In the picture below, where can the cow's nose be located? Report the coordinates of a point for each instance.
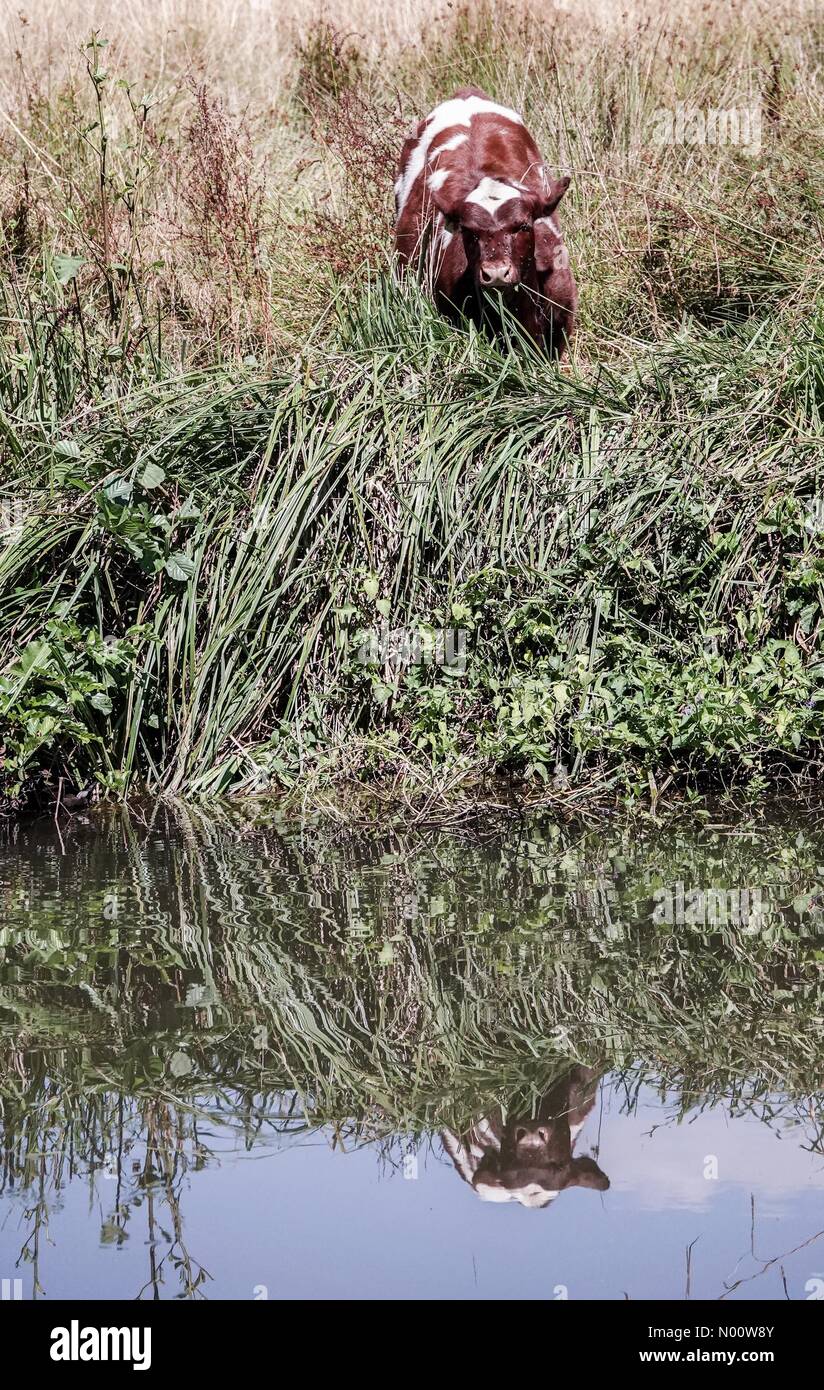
(531, 1136)
(501, 274)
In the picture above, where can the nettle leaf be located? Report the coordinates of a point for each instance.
(118, 490)
(66, 268)
(152, 476)
(67, 449)
(180, 567)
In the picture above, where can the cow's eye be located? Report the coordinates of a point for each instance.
(524, 227)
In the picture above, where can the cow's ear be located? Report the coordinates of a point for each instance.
(586, 1173)
(550, 251)
(550, 201)
(449, 201)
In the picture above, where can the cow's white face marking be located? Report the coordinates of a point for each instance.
(457, 112)
(530, 1196)
(534, 1196)
(490, 1193)
(491, 194)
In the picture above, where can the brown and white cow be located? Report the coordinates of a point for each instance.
(530, 1160)
(476, 205)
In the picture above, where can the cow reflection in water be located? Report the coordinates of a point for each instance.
(530, 1160)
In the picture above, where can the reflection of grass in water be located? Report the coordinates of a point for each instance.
(405, 982)
(269, 983)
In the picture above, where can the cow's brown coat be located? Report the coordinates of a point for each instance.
(477, 207)
(531, 1160)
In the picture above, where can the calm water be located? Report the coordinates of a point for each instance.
(239, 1060)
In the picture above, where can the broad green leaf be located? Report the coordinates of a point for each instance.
(152, 476)
(67, 267)
(180, 567)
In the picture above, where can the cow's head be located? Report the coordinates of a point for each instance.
(497, 222)
(530, 1160)
(534, 1164)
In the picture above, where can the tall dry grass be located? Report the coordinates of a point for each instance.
(249, 150)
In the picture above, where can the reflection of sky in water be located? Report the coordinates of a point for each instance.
(665, 1169)
(305, 1220)
(435, 973)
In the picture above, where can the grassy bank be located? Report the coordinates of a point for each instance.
(255, 492)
